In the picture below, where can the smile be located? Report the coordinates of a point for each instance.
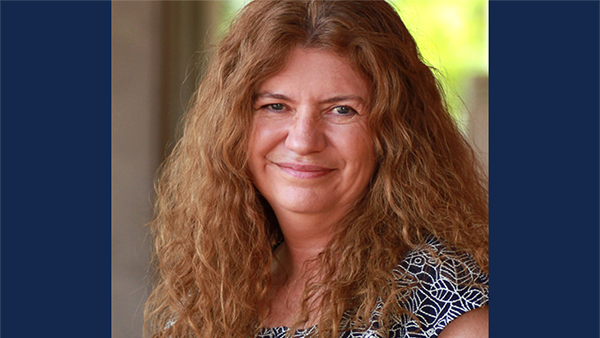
(303, 171)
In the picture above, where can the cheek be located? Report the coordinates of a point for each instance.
(263, 140)
(253, 150)
(265, 136)
(357, 146)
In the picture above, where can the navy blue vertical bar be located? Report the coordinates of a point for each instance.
(55, 176)
(544, 155)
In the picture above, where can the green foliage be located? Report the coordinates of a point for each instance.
(231, 7)
(452, 37)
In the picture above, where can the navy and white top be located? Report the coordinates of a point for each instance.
(449, 284)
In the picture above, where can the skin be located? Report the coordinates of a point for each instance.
(312, 157)
(473, 324)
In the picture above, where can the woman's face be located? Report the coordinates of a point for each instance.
(310, 150)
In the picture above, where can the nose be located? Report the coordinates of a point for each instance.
(305, 135)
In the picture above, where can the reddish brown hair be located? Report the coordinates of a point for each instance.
(213, 237)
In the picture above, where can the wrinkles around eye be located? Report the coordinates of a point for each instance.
(344, 110)
(341, 112)
(274, 107)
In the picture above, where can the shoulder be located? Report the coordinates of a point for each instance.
(473, 324)
(444, 283)
(433, 261)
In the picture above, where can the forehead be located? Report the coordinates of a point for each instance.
(316, 73)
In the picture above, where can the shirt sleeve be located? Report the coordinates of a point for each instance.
(446, 283)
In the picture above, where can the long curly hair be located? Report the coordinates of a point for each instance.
(214, 233)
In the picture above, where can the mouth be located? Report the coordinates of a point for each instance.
(304, 171)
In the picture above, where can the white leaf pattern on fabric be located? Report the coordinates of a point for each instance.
(449, 284)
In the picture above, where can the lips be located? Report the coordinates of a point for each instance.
(304, 171)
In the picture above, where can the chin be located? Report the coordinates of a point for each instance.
(312, 203)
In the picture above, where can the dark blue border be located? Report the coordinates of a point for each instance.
(544, 159)
(55, 176)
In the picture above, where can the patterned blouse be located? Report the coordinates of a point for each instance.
(446, 288)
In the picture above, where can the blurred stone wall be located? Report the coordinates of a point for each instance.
(156, 47)
(136, 100)
(478, 118)
(154, 56)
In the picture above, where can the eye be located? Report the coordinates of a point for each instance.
(344, 110)
(275, 107)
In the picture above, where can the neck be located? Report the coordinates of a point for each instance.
(305, 237)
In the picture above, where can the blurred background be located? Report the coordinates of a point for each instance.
(159, 50)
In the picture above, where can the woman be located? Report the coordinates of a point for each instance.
(320, 188)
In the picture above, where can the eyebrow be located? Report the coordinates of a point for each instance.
(344, 98)
(329, 100)
(272, 96)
